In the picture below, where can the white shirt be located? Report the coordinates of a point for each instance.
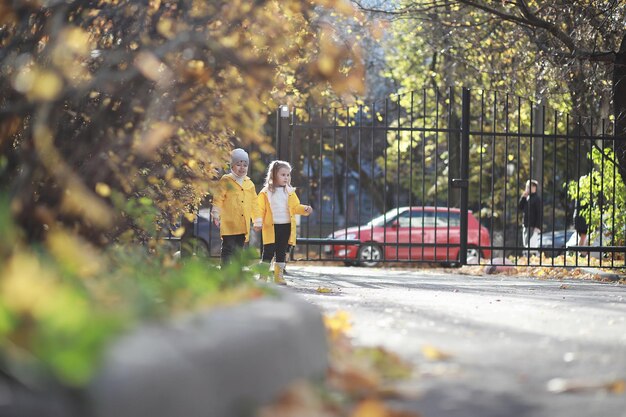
(238, 178)
(279, 203)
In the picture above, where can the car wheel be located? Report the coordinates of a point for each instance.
(194, 247)
(473, 252)
(370, 254)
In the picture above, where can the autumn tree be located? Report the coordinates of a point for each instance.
(112, 112)
(569, 54)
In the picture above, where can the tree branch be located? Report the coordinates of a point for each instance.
(531, 19)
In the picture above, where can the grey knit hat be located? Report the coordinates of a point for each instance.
(238, 155)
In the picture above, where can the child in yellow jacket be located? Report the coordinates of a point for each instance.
(235, 204)
(279, 206)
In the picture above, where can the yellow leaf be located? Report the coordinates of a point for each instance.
(76, 40)
(46, 86)
(166, 28)
(434, 354)
(324, 290)
(176, 184)
(617, 386)
(103, 189)
(178, 232)
(338, 324)
(326, 65)
(26, 286)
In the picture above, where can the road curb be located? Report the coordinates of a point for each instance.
(610, 276)
(222, 363)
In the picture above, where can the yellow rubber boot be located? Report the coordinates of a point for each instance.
(279, 268)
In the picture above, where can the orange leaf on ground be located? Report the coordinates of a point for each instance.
(370, 407)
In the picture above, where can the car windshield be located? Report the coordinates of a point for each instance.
(383, 218)
(418, 218)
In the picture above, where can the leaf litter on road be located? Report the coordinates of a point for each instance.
(563, 385)
(358, 383)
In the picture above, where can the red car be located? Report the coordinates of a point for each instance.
(410, 233)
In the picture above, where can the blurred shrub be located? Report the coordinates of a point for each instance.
(61, 303)
(110, 109)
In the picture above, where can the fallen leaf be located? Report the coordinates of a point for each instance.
(387, 363)
(370, 407)
(562, 385)
(434, 354)
(324, 290)
(337, 324)
(354, 380)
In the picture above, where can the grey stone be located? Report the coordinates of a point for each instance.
(224, 362)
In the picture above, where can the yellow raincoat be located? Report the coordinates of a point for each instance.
(238, 205)
(268, 220)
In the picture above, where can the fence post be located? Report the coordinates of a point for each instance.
(465, 139)
(282, 133)
(536, 163)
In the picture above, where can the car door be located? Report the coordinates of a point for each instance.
(447, 235)
(422, 234)
(397, 231)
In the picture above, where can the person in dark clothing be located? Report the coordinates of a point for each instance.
(531, 206)
(580, 224)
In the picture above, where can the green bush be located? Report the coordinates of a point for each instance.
(603, 194)
(63, 302)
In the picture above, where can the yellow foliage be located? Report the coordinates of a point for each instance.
(338, 323)
(164, 134)
(39, 84)
(26, 287)
(74, 254)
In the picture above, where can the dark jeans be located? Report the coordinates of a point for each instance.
(279, 247)
(230, 244)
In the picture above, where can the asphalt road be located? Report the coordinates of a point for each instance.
(518, 346)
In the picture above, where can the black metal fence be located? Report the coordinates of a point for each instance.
(437, 176)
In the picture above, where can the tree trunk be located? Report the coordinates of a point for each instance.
(619, 107)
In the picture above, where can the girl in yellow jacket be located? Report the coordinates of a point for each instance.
(235, 204)
(279, 206)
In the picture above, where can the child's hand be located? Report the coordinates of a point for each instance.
(257, 228)
(308, 209)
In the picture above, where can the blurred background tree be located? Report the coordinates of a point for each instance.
(568, 54)
(115, 112)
